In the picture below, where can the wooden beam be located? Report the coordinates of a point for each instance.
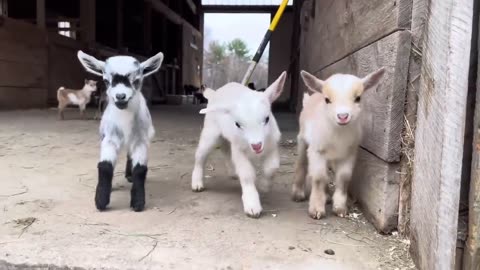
(41, 14)
(241, 9)
(171, 15)
(192, 6)
(471, 258)
(147, 28)
(439, 137)
(87, 20)
(120, 24)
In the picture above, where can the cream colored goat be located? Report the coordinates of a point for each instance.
(80, 97)
(329, 137)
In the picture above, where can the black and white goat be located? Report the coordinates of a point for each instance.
(126, 122)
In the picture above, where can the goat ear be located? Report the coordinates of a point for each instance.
(208, 93)
(275, 89)
(91, 64)
(313, 83)
(152, 64)
(214, 108)
(372, 79)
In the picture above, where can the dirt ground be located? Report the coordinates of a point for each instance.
(48, 219)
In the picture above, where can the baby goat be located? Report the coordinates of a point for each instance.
(329, 137)
(76, 97)
(125, 122)
(241, 121)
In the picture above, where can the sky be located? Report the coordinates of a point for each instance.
(226, 26)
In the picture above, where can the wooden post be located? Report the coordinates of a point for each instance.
(471, 258)
(41, 21)
(119, 24)
(439, 135)
(147, 27)
(87, 20)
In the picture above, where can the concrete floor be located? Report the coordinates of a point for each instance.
(48, 218)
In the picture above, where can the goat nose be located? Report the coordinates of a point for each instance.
(257, 146)
(342, 116)
(120, 97)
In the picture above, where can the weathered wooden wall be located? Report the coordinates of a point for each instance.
(63, 66)
(23, 65)
(439, 135)
(191, 57)
(359, 37)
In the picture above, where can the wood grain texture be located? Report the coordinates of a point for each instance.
(471, 259)
(22, 75)
(375, 184)
(384, 105)
(408, 140)
(22, 98)
(340, 27)
(440, 133)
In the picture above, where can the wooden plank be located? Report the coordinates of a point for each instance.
(439, 136)
(384, 105)
(87, 20)
(471, 259)
(22, 98)
(41, 14)
(340, 27)
(14, 74)
(375, 184)
(31, 35)
(408, 136)
(20, 52)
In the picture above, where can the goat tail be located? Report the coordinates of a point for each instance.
(59, 92)
(208, 93)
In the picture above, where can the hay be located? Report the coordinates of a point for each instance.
(407, 167)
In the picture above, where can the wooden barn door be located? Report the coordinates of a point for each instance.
(440, 133)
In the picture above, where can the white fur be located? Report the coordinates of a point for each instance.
(324, 142)
(235, 104)
(131, 127)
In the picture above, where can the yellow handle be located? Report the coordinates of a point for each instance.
(278, 15)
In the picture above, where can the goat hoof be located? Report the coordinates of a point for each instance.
(298, 196)
(340, 212)
(253, 215)
(198, 188)
(316, 213)
(137, 204)
(102, 198)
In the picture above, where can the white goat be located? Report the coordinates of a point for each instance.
(77, 97)
(241, 121)
(125, 122)
(330, 134)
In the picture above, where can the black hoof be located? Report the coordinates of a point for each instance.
(137, 200)
(104, 186)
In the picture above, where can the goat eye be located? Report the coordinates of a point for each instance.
(327, 100)
(238, 125)
(267, 120)
(106, 82)
(357, 99)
